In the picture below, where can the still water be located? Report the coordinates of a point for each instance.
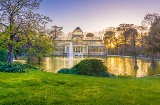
(115, 65)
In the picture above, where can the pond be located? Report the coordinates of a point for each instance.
(116, 65)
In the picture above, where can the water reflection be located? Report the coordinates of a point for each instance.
(56, 63)
(70, 63)
(115, 65)
(125, 66)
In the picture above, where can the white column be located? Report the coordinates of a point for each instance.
(65, 49)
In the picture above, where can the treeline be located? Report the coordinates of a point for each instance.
(133, 40)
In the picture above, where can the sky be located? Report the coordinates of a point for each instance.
(96, 15)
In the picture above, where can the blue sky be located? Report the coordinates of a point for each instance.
(96, 15)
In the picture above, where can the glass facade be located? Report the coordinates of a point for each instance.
(81, 44)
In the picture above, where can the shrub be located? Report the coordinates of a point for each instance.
(3, 55)
(68, 71)
(125, 76)
(11, 67)
(1, 62)
(29, 66)
(92, 67)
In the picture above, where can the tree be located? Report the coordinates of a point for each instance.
(116, 40)
(108, 39)
(55, 32)
(40, 46)
(153, 39)
(132, 32)
(141, 45)
(108, 35)
(17, 22)
(90, 35)
(123, 28)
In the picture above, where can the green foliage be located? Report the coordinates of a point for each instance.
(14, 67)
(125, 76)
(41, 46)
(29, 66)
(11, 67)
(92, 67)
(1, 63)
(3, 55)
(15, 34)
(68, 71)
(90, 35)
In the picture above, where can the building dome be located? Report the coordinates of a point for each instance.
(77, 32)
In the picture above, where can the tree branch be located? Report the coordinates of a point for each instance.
(3, 24)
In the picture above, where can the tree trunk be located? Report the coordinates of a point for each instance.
(153, 63)
(135, 64)
(10, 53)
(124, 51)
(118, 50)
(110, 51)
(39, 60)
(15, 56)
(135, 53)
(28, 60)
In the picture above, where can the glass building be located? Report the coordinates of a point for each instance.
(81, 44)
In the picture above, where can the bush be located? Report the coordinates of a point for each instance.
(125, 76)
(92, 67)
(11, 67)
(14, 67)
(68, 71)
(29, 66)
(3, 55)
(1, 62)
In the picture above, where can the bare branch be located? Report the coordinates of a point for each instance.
(3, 24)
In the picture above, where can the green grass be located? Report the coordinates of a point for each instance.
(42, 88)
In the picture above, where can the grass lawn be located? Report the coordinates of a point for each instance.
(43, 88)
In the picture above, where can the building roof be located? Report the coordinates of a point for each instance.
(77, 32)
(84, 39)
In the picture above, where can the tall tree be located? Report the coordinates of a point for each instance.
(123, 28)
(153, 39)
(132, 32)
(108, 36)
(142, 33)
(17, 21)
(117, 40)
